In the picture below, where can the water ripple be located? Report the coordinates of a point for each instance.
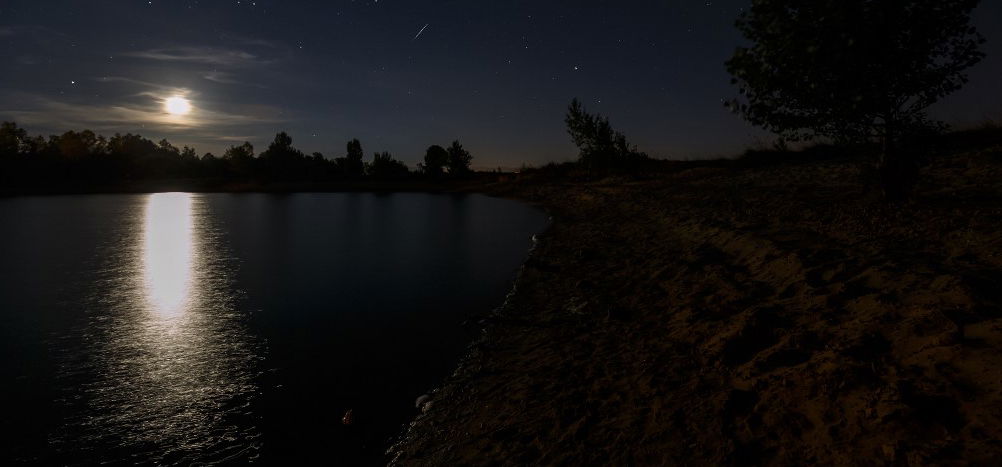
(166, 366)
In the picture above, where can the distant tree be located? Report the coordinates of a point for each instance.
(12, 139)
(190, 163)
(84, 160)
(351, 164)
(853, 70)
(282, 142)
(188, 153)
(282, 161)
(459, 159)
(212, 166)
(131, 147)
(164, 162)
(12, 144)
(240, 160)
(35, 145)
(599, 144)
(383, 165)
(77, 145)
(167, 148)
(244, 151)
(281, 150)
(435, 160)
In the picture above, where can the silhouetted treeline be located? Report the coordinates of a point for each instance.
(79, 160)
(599, 144)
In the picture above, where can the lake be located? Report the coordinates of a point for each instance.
(179, 328)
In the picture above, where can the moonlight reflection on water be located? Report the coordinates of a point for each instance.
(199, 329)
(168, 253)
(170, 374)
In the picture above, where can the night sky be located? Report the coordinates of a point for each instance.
(399, 74)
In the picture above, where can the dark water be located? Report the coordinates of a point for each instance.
(203, 329)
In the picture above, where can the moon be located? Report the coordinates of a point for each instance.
(177, 105)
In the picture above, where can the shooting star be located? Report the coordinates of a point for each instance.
(419, 33)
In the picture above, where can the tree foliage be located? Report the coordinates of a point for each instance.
(12, 139)
(244, 151)
(383, 165)
(281, 149)
(351, 164)
(435, 160)
(459, 159)
(599, 144)
(83, 160)
(282, 161)
(850, 69)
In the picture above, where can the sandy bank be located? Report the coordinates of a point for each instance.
(775, 315)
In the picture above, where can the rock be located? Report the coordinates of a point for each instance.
(889, 452)
(423, 403)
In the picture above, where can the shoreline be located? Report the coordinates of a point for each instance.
(730, 313)
(471, 184)
(725, 315)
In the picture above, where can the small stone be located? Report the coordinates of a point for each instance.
(889, 452)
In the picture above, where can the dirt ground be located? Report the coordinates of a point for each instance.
(715, 315)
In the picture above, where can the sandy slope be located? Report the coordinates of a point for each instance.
(774, 315)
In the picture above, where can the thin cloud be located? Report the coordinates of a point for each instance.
(150, 88)
(220, 77)
(201, 55)
(251, 41)
(29, 60)
(236, 139)
(38, 35)
(202, 123)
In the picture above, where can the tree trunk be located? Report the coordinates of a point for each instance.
(897, 172)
